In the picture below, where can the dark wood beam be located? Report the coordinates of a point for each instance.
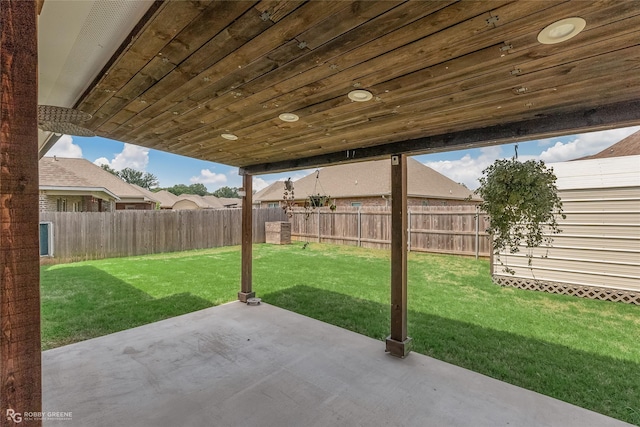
(20, 366)
(398, 344)
(246, 291)
(599, 118)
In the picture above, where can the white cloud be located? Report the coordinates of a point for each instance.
(101, 161)
(65, 148)
(208, 177)
(584, 144)
(467, 170)
(259, 183)
(131, 156)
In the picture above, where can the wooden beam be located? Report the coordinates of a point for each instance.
(398, 344)
(599, 118)
(246, 291)
(20, 365)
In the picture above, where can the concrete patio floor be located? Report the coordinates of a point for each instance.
(237, 365)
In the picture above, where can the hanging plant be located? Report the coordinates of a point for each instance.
(289, 198)
(318, 201)
(522, 202)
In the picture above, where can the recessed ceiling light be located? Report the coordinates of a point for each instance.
(289, 117)
(360, 95)
(561, 30)
(229, 136)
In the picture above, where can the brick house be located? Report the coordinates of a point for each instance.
(368, 184)
(77, 185)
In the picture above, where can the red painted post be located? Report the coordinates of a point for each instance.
(20, 365)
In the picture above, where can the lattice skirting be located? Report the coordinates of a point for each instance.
(617, 295)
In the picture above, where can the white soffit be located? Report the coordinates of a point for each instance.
(610, 172)
(75, 41)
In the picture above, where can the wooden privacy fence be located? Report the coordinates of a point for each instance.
(94, 235)
(456, 230)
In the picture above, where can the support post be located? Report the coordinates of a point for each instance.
(246, 291)
(398, 344)
(20, 357)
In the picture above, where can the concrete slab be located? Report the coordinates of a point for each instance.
(235, 365)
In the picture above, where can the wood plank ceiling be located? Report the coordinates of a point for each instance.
(198, 69)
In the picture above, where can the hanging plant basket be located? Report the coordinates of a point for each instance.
(318, 201)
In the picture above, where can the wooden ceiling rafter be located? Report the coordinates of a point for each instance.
(434, 67)
(599, 118)
(270, 116)
(492, 79)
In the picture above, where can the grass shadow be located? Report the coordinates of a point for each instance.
(85, 302)
(555, 370)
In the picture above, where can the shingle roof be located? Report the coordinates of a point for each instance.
(202, 202)
(630, 146)
(65, 172)
(366, 179)
(230, 201)
(269, 192)
(147, 193)
(165, 198)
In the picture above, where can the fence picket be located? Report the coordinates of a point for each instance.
(442, 229)
(81, 236)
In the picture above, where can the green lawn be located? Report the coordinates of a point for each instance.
(581, 351)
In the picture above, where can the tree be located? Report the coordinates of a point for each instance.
(141, 179)
(522, 201)
(198, 188)
(227, 192)
(110, 170)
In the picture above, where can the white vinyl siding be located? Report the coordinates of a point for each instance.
(600, 241)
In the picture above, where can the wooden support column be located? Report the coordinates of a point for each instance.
(398, 344)
(20, 366)
(247, 239)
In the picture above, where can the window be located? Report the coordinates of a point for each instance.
(46, 239)
(75, 207)
(356, 204)
(425, 203)
(61, 205)
(273, 205)
(129, 207)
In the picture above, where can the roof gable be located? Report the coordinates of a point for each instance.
(67, 172)
(369, 179)
(629, 146)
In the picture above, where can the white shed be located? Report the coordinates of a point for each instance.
(597, 255)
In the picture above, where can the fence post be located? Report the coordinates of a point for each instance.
(477, 231)
(318, 225)
(359, 227)
(409, 231)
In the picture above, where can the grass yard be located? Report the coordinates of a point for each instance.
(581, 351)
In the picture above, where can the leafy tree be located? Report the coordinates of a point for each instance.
(522, 201)
(197, 188)
(227, 192)
(142, 179)
(110, 170)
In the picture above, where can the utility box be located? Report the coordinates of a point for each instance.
(278, 233)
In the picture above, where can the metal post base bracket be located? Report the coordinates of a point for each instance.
(399, 349)
(244, 296)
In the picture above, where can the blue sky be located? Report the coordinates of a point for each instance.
(464, 166)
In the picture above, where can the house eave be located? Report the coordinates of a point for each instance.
(80, 191)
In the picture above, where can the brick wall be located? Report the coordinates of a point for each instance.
(49, 203)
(379, 201)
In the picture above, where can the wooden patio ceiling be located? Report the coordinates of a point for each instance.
(443, 75)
